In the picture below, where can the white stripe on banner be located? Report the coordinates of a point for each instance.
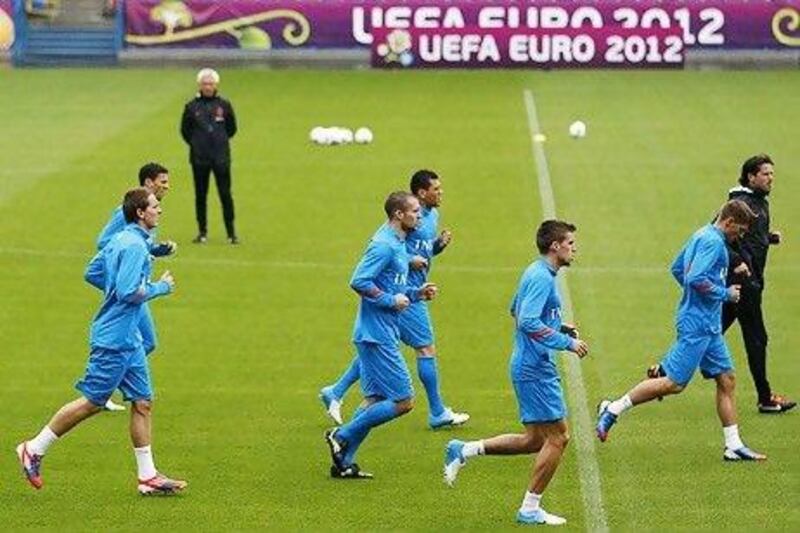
(591, 489)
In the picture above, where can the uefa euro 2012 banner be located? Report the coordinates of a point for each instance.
(474, 33)
(6, 25)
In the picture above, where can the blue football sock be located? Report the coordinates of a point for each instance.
(373, 416)
(355, 440)
(429, 375)
(347, 379)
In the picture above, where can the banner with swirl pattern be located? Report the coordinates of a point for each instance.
(6, 25)
(266, 24)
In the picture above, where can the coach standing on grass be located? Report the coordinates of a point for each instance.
(207, 126)
(748, 259)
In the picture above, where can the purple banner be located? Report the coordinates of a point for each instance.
(265, 24)
(6, 25)
(511, 48)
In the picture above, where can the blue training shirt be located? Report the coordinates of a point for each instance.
(700, 269)
(379, 276)
(122, 269)
(536, 308)
(423, 241)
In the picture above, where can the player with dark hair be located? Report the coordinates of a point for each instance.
(538, 335)
(381, 281)
(117, 358)
(155, 178)
(416, 329)
(700, 269)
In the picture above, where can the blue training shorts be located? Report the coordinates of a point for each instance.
(415, 325)
(108, 370)
(383, 372)
(706, 351)
(540, 400)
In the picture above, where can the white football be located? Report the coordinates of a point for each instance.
(363, 136)
(347, 135)
(577, 130)
(317, 134)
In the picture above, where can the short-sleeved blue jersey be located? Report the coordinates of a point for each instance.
(700, 269)
(536, 309)
(379, 276)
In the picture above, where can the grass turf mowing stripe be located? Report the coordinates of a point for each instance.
(591, 490)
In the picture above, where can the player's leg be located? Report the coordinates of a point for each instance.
(555, 437)
(679, 365)
(416, 330)
(538, 401)
(754, 333)
(222, 176)
(384, 379)
(332, 396)
(718, 364)
(202, 175)
(104, 370)
(136, 388)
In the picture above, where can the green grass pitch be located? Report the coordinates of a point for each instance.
(253, 332)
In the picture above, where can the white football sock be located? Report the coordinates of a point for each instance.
(473, 448)
(619, 406)
(39, 444)
(144, 462)
(530, 502)
(732, 439)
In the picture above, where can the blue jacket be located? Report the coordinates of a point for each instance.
(700, 269)
(536, 309)
(379, 276)
(122, 270)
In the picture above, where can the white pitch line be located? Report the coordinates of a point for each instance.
(588, 467)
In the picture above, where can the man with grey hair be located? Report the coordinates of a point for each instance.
(207, 125)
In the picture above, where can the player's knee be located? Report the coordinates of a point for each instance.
(427, 351)
(405, 406)
(143, 407)
(561, 439)
(727, 382)
(671, 387)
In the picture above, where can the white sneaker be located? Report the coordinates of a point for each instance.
(111, 406)
(333, 405)
(447, 418)
(540, 516)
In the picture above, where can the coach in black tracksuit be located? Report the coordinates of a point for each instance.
(748, 258)
(207, 125)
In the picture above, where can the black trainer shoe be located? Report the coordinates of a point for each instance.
(336, 447)
(200, 239)
(351, 472)
(233, 240)
(776, 404)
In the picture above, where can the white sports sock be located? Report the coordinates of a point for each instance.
(619, 406)
(530, 502)
(473, 448)
(144, 462)
(39, 444)
(732, 439)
